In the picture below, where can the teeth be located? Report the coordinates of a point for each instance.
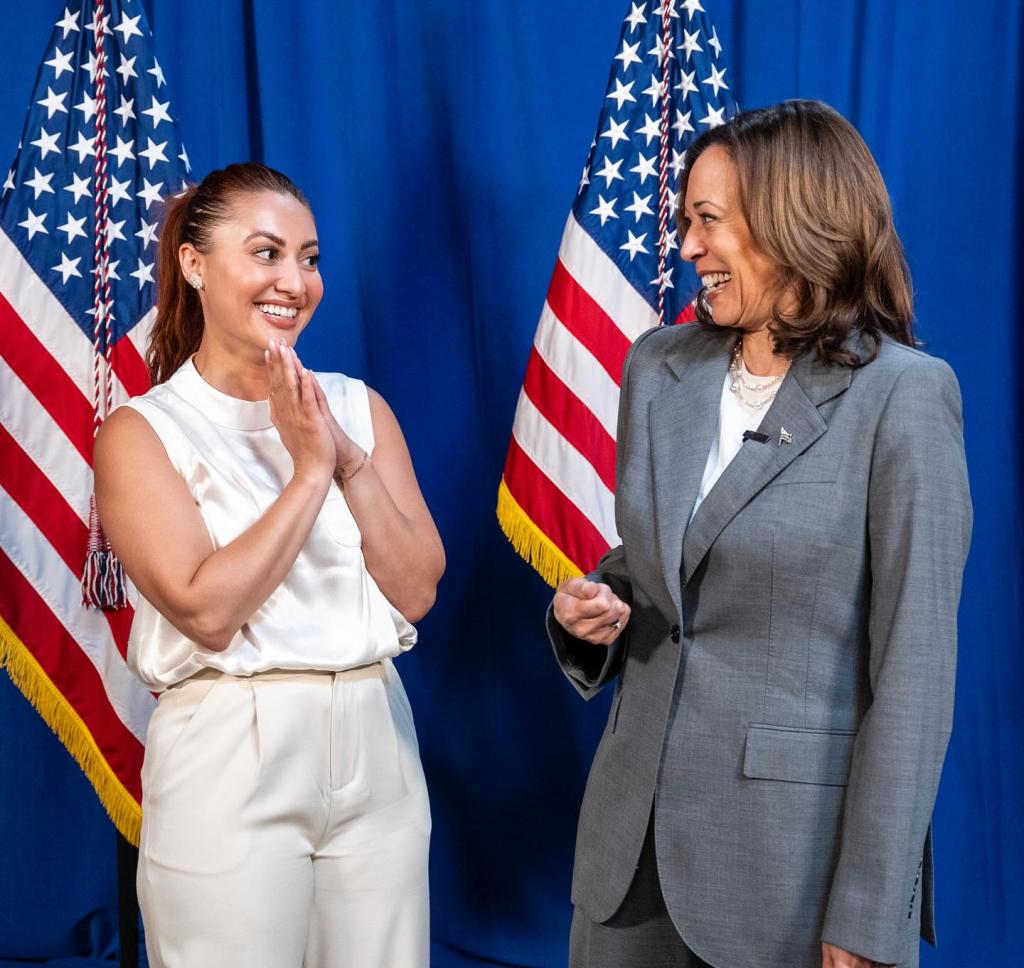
(715, 279)
(290, 311)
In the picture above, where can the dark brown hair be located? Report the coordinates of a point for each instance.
(191, 217)
(816, 205)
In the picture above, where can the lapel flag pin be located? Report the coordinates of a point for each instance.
(785, 437)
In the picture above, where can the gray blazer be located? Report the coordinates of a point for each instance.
(785, 683)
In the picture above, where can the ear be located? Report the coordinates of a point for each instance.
(190, 259)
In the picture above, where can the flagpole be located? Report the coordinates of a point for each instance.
(127, 903)
(103, 346)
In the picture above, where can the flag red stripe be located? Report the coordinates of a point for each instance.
(551, 511)
(130, 367)
(46, 379)
(686, 315)
(587, 321)
(45, 506)
(36, 495)
(570, 417)
(70, 670)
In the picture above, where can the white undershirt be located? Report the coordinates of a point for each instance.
(734, 417)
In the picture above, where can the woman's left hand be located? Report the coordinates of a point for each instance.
(348, 452)
(833, 957)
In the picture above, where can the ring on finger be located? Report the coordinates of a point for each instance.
(617, 624)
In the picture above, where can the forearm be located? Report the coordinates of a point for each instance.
(233, 582)
(403, 555)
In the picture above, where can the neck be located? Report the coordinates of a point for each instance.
(236, 372)
(759, 357)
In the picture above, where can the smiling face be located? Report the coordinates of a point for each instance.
(739, 278)
(260, 275)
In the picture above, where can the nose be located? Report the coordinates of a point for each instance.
(693, 242)
(290, 280)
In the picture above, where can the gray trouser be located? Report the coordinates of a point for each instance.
(640, 934)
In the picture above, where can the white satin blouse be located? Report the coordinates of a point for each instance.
(328, 613)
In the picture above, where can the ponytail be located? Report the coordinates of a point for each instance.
(178, 329)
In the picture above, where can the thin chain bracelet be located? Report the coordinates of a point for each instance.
(342, 479)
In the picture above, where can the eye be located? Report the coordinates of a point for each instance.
(268, 249)
(312, 261)
(706, 217)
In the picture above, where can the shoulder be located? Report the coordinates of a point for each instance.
(353, 404)
(131, 428)
(139, 411)
(679, 338)
(677, 345)
(340, 384)
(149, 424)
(900, 370)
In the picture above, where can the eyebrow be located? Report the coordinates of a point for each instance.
(705, 201)
(277, 240)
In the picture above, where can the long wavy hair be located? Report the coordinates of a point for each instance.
(192, 217)
(816, 205)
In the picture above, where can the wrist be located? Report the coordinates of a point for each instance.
(346, 469)
(313, 476)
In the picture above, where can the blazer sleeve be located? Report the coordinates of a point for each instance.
(589, 667)
(919, 527)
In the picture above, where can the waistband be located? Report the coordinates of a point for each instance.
(375, 670)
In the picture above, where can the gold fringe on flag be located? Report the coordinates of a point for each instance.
(532, 544)
(60, 716)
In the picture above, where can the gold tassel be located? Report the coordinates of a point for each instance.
(47, 700)
(532, 544)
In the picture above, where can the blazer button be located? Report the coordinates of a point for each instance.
(674, 633)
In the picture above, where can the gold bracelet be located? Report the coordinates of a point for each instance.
(343, 478)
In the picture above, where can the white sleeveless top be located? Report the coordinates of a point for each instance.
(328, 613)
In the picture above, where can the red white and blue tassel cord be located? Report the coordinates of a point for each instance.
(663, 190)
(103, 580)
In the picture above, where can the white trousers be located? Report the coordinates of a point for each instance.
(285, 824)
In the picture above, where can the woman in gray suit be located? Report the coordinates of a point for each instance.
(781, 614)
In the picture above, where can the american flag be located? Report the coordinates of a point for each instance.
(79, 217)
(619, 272)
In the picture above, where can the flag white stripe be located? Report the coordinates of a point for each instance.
(600, 277)
(139, 333)
(46, 571)
(567, 469)
(28, 422)
(578, 369)
(48, 319)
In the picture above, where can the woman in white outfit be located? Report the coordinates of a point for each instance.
(273, 526)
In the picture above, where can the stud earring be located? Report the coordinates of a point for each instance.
(196, 282)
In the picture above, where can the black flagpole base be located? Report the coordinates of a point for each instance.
(127, 902)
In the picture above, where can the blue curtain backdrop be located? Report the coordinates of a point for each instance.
(440, 142)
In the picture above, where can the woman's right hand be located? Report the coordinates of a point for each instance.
(296, 414)
(590, 610)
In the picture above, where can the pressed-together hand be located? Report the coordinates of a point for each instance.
(295, 413)
(833, 957)
(348, 453)
(590, 610)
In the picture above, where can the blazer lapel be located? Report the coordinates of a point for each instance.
(683, 421)
(793, 423)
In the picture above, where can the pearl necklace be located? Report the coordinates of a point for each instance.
(738, 384)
